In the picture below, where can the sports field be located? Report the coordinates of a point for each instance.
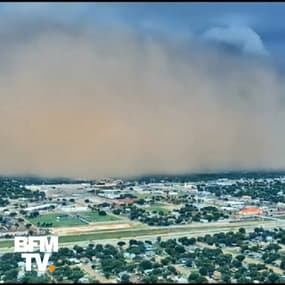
(93, 217)
(57, 220)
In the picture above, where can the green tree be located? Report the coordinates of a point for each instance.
(282, 264)
(273, 277)
(145, 264)
(125, 278)
(240, 257)
(242, 230)
(203, 271)
(11, 275)
(195, 277)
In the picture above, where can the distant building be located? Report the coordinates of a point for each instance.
(250, 211)
(74, 208)
(217, 275)
(235, 204)
(180, 279)
(245, 198)
(40, 207)
(173, 194)
(280, 205)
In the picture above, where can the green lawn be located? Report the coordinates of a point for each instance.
(157, 207)
(95, 217)
(143, 196)
(123, 233)
(133, 233)
(57, 220)
(146, 231)
(6, 243)
(111, 235)
(234, 251)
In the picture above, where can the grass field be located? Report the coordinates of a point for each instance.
(234, 251)
(95, 217)
(143, 195)
(118, 234)
(152, 231)
(157, 207)
(202, 230)
(111, 235)
(133, 233)
(57, 220)
(6, 243)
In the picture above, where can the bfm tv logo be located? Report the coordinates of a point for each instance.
(26, 245)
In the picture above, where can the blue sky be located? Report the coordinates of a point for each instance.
(184, 19)
(234, 22)
(251, 28)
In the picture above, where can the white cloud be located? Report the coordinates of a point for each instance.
(242, 37)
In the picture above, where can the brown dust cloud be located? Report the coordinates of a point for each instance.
(95, 104)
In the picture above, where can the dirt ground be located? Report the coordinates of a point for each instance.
(90, 228)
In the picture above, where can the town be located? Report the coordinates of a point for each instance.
(151, 229)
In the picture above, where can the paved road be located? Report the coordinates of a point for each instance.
(272, 218)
